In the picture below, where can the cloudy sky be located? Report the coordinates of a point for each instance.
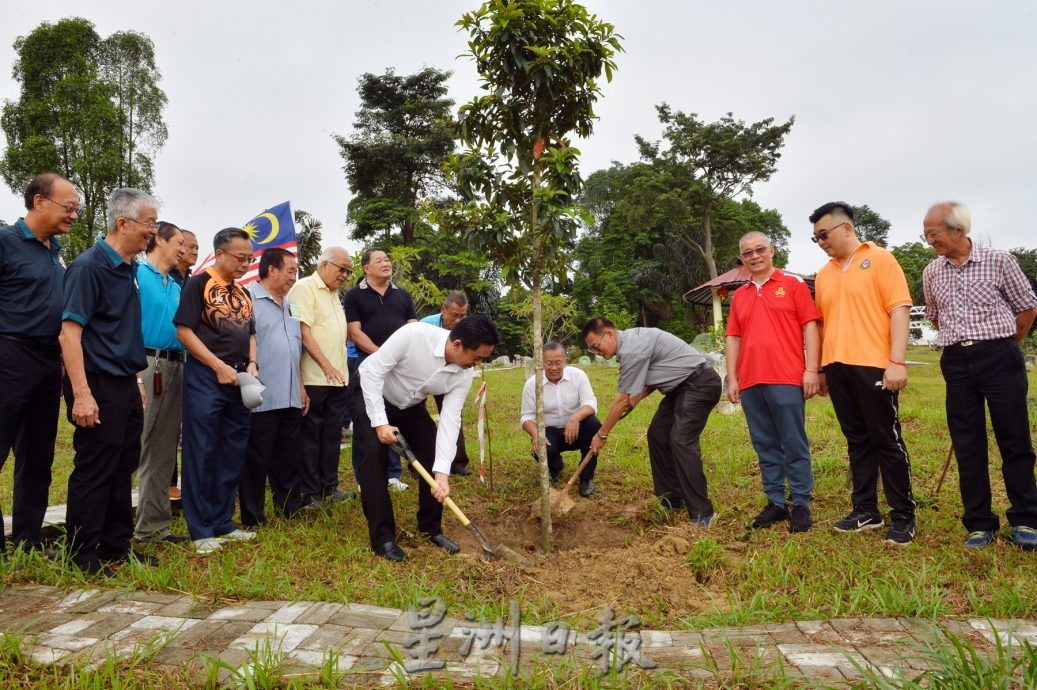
(897, 104)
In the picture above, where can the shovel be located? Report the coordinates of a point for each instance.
(401, 447)
(561, 503)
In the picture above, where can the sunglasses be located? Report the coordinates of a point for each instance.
(823, 235)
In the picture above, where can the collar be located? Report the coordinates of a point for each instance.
(260, 292)
(864, 246)
(147, 264)
(216, 276)
(977, 253)
(439, 349)
(777, 275)
(113, 256)
(363, 285)
(565, 376)
(28, 234)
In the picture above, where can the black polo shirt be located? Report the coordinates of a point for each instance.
(220, 314)
(101, 296)
(31, 284)
(379, 315)
(178, 277)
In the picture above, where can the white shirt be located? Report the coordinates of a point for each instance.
(407, 368)
(561, 399)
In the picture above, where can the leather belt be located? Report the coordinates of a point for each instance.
(171, 355)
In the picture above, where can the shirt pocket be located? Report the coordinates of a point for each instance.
(984, 293)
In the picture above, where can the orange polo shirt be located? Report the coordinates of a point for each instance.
(854, 303)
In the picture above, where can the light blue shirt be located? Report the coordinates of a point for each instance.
(159, 297)
(434, 319)
(278, 350)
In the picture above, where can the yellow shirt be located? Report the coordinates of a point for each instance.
(855, 302)
(319, 307)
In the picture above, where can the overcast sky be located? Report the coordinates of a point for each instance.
(897, 104)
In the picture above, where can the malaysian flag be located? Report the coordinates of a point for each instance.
(274, 227)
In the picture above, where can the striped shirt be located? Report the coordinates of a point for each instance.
(977, 300)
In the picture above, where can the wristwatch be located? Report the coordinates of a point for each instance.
(603, 437)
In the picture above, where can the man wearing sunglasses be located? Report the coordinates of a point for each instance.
(772, 321)
(865, 307)
(315, 302)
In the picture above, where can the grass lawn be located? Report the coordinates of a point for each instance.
(618, 547)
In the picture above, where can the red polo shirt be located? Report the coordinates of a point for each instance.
(769, 319)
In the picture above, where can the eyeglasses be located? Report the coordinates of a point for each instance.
(150, 226)
(929, 234)
(750, 253)
(823, 235)
(69, 208)
(240, 258)
(594, 348)
(341, 269)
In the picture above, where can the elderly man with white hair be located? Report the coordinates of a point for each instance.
(983, 306)
(315, 302)
(102, 346)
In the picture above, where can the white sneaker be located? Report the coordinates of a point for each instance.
(236, 535)
(203, 547)
(396, 485)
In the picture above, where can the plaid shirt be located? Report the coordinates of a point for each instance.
(977, 300)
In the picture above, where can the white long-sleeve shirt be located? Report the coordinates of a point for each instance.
(561, 399)
(407, 368)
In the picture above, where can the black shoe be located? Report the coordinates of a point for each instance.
(459, 470)
(175, 539)
(339, 496)
(801, 520)
(902, 532)
(671, 502)
(858, 520)
(771, 514)
(314, 506)
(445, 542)
(392, 551)
(586, 487)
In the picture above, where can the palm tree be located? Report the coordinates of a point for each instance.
(307, 237)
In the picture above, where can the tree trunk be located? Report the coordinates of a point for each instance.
(707, 226)
(546, 529)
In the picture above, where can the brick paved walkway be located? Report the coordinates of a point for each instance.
(81, 626)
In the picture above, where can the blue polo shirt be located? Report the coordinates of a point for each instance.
(101, 296)
(31, 284)
(434, 319)
(159, 298)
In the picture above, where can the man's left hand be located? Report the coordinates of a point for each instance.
(572, 430)
(442, 488)
(811, 384)
(597, 444)
(143, 396)
(253, 369)
(895, 377)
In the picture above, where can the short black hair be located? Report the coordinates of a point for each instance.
(275, 257)
(823, 210)
(223, 237)
(474, 332)
(595, 326)
(164, 230)
(365, 258)
(42, 184)
(272, 257)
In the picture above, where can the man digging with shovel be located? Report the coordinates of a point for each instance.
(417, 361)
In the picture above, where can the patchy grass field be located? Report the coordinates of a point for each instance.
(618, 547)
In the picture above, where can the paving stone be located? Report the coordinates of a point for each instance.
(240, 613)
(362, 616)
(154, 597)
(78, 596)
(181, 606)
(289, 612)
(74, 626)
(793, 636)
(42, 622)
(175, 656)
(825, 673)
(281, 636)
(96, 602)
(319, 613)
(357, 640)
(325, 637)
(316, 657)
(108, 625)
(686, 639)
(141, 608)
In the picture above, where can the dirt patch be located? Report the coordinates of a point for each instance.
(623, 554)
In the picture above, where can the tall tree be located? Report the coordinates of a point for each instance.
(394, 156)
(871, 227)
(307, 240)
(913, 257)
(89, 109)
(539, 62)
(709, 162)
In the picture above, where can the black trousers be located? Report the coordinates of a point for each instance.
(419, 430)
(673, 441)
(30, 394)
(273, 452)
(461, 458)
(990, 373)
(321, 441)
(557, 446)
(870, 420)
(99, 521)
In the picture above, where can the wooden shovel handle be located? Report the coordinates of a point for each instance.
(572, 480)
